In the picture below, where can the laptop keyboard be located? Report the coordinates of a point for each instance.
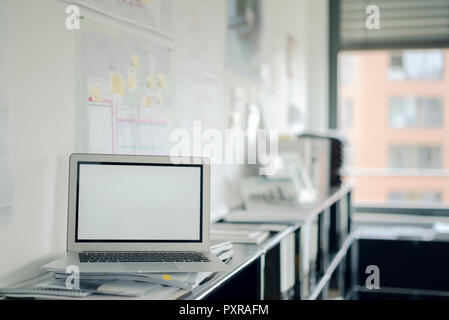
(142, 257)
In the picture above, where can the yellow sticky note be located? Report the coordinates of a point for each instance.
(147, 101)
(159, 98)
(122, 86)
(132, 80)
(150, 81)
(115, 83)
(161, 79)
(166, 277)
(95, 93)
(135, 62)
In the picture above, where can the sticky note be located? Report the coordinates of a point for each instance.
(95, 93)
(166, 277)
(159, 98)
(147, 101)
(132, 80)
(122, 86)
(161, 80)
(135, 62)
(150, 81)
(115, 83)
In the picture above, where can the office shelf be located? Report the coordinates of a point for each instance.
(321, 259)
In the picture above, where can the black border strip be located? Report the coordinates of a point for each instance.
(138, 164)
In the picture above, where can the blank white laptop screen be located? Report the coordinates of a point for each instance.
(128, 202)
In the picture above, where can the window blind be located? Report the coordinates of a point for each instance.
(402, 24)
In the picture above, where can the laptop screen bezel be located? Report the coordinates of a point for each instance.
(76, 244)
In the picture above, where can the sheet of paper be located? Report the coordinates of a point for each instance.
(124, 106)
(249, 226)
(132, 81)
(182, 280)
(154, 15)
(199, 35)
(100, 127)
(161, 292)
(282, 215)
(126, 288)
(135, 61)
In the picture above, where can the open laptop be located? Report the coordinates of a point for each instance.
(131, 213)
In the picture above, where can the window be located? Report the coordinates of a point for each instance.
(396, 61)
(347, 69)
(416, 197)
(397, 84)
(346, 113)
(415, 112)
(415, 157)
(396, 131)
(416, 65)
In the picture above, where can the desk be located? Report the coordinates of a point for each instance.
(410, 254)
(246, 275)
(322, 238)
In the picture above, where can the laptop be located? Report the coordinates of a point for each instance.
(130, 213)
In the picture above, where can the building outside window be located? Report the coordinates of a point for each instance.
(399, 132)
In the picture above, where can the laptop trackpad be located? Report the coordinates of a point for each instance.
(149, 266)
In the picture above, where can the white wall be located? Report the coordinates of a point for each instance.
(307, 22)
(43, 115)
(317, 62)
(43, 124)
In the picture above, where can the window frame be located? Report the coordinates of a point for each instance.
(428, 77)
(418, 104)
(416, 151)
(334, 49)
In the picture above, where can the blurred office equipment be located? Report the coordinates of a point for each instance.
(307, 159)
(322, 154)
(306, 167)
(260, 192)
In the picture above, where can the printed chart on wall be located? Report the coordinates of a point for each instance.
(199, 34)
(124, 93)
(5, 121)
(150, 14)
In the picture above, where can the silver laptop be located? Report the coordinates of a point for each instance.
(132, 213)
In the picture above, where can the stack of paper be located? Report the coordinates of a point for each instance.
(251, 226)
(220, 233)
(110, 285)
(222, 249)
(282, 215)
(181, 280)
(51, 287)
(114, 287)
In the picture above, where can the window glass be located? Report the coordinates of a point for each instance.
(394, 116)
(416, 65)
